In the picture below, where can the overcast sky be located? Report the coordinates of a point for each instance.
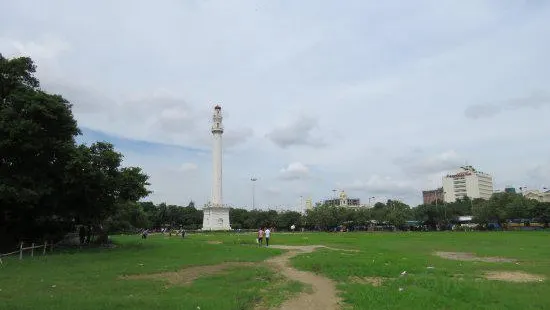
(379, 98)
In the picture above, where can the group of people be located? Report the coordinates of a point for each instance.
(261, 233)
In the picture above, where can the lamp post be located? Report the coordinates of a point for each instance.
(444, 205)
(445, 208)
(253, 192)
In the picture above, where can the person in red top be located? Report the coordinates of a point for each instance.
(260, 236)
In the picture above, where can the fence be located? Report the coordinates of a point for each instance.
(22, 249)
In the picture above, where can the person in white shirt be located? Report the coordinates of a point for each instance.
(267, 235)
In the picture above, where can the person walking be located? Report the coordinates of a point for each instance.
(82, 234)
(267, 235)
(260, 237)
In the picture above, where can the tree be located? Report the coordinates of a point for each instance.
(17, 73)
(47, 182)
(362, 217)
(238, 218)
(128, 217)
(397, 213)
(102, 190)
(378, 212)
(496, 209)
(324, 217)
(37, 133)
(541, 212)
(192, 217)
(460, 207)
(429, 214)
(284, 220)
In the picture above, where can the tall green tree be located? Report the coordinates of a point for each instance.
(47, 182)
(37, 133)
(397, 213)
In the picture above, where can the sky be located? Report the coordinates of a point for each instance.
(377, 98)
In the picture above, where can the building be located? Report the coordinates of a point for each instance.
(343, 201)
(537, 195)
(216, 215)
(309, 204)
(467, 182)
(510, 189)
(433, 196)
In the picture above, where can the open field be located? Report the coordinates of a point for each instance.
(365, 268)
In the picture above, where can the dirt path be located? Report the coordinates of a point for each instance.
(324, 295)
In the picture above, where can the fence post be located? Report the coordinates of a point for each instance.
(45, 247)
(32, 250)
(21, 251)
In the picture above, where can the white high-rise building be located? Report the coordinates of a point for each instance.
(467, 182)
(216, 215)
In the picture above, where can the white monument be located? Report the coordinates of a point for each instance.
(216, 215)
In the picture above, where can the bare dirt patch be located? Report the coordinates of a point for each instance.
(323, 294)
(513, 276)
(374, 281)
(188, 275)
(472, 257)
(214, 242)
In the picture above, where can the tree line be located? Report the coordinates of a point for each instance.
(498, 209)
(48, 182)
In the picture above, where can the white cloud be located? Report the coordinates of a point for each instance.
(536, 99)
(45, 47)
(538, 175)
(378, 185)
(273, 190)
(298, 132)
(294, 171)
(186, 167)
(420, 164)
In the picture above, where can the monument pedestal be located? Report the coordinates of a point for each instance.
(215, 218)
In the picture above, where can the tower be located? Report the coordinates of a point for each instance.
(217, 131)
(216, 215)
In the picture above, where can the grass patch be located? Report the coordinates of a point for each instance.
(90, 279)
(432, 282)
(368, 279)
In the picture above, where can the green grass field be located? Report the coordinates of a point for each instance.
(94, 279)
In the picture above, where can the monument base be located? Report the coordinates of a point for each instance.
(215, 218)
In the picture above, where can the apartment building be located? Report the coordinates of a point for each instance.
(537, 195)
(433, 196)
(467, 182)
